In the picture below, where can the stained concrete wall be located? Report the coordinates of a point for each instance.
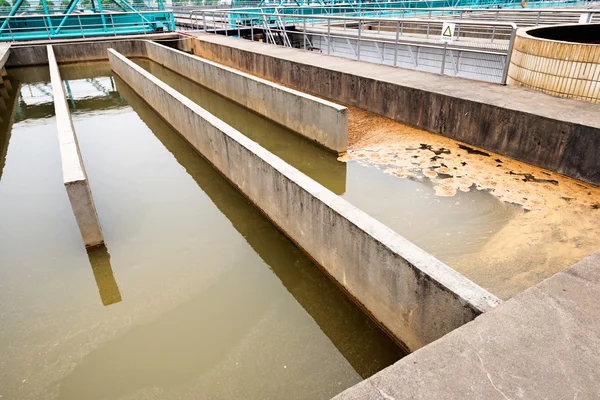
(414, 296)
(319, 120)
(74, 176)
(558, 134)
(76, 51)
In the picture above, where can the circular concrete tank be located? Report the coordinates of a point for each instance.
(562, 60)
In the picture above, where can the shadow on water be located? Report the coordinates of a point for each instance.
(103, 273)
(360, 340)
(313, 160)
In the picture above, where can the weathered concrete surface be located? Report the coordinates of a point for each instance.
(318, 120)
(558, 134)
(541, 344)
(4, 53)
(74, 176)
(416, 298)
(77, 51)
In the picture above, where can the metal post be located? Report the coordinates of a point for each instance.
(417, 57)
(304, 32)
(444, 59)
(508, 55)
(358, 41)
(46, 26)
(204, 20)
(427, 31)
(328, 36)
(396, 44)
(537, 21)
(80, 26)
(10, 31)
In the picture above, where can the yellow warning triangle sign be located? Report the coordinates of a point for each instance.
(447, 32)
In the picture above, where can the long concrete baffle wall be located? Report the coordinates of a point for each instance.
(318, 120)
(417, 298)
(74, 176)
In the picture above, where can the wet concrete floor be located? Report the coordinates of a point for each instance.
(196, 294)
(503, 224)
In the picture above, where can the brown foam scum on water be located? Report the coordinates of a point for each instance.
(560, 222)
(403, 151)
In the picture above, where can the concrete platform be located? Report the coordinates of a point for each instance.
(541, 344)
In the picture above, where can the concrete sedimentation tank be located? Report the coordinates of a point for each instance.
(561, 60)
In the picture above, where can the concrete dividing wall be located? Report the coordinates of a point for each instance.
(319, 120)
(558, 134)
(74, 52)
(415, 297)
(74, 176)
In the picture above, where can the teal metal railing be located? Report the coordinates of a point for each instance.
(38, 26)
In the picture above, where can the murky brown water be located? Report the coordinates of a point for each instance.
(503, 224)
(196, 294)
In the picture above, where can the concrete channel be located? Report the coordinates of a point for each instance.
(276, 215)
(404, 286)
(194, 282)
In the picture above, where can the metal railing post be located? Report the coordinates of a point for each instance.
(358, 41)
(304, 32)
(509, 55)
(46, 26)
(396, 44)
(80, 26)
(328, 36)
(444, 59)
(204, 20)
